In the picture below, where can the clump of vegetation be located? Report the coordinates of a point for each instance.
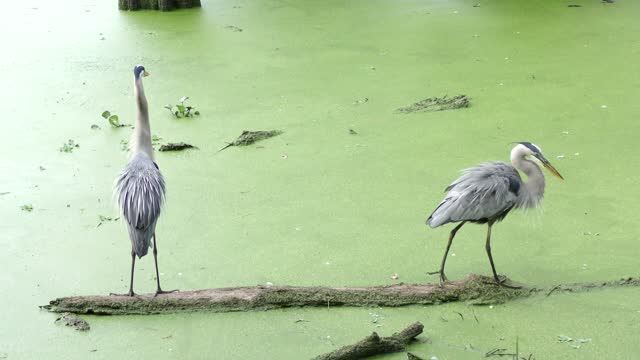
(437, 104)
(69, 146)
(176, 146)
(181, 110)
(27, 207)
(249, 137)
(113, 119)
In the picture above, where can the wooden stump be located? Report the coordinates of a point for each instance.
(162, 5)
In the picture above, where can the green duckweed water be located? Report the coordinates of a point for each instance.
(318, 205)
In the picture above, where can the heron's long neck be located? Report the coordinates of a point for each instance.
(141, 138)
(533, 190)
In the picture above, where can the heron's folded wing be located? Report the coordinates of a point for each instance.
(482, 192)
(140, 191)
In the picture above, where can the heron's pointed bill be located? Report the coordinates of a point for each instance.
(548, 165)
(145, 73)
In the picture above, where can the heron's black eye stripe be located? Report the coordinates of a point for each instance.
(531, 147)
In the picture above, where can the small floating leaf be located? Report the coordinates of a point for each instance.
(114, 121)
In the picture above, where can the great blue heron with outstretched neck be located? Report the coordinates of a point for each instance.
(140, 188)
(485, 194)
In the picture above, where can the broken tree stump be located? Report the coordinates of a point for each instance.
(162, 5)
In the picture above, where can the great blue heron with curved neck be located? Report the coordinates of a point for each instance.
(140, 188)
(485, 194)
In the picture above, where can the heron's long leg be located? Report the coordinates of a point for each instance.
(493, 267)
(155, 258)
(488, 247)
(443, 277)
(133, 265)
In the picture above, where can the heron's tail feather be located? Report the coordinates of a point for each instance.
(141, 239)
(440, 215)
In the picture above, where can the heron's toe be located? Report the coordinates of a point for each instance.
(160, 291)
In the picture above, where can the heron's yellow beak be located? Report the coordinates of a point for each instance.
(552, 170)
(548, 165)
(145, 73)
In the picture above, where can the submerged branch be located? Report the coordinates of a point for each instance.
(374, 345)
(474, 289)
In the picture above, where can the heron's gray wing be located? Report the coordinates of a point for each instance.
(483, 192)
(140, 191)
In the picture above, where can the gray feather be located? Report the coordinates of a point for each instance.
(483, 193)
(140, 191)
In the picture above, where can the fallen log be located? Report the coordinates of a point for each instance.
(474, 289)
(374, 345)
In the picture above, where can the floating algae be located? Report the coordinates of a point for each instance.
(176, 146)
(249, 137)
(437, 104)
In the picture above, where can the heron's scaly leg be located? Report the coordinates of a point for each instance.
(155, 257)
(493, 267)
(133, 264)
(488, 248)
(443, 277)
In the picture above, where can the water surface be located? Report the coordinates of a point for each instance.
(318, 205)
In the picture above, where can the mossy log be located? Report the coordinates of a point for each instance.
(162, 5)
(474, 289)
(374, 345)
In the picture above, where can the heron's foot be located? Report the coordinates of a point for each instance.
(160, 291)
(443, 277)
(130, 294)
(502, 282)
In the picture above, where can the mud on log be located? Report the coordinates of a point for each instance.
(474, 289)
(162, 5)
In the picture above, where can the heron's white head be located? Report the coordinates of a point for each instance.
(139, 71)
(530, 151)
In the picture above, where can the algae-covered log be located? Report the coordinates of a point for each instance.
(162, 5)
(374, 345)
(474, 289)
